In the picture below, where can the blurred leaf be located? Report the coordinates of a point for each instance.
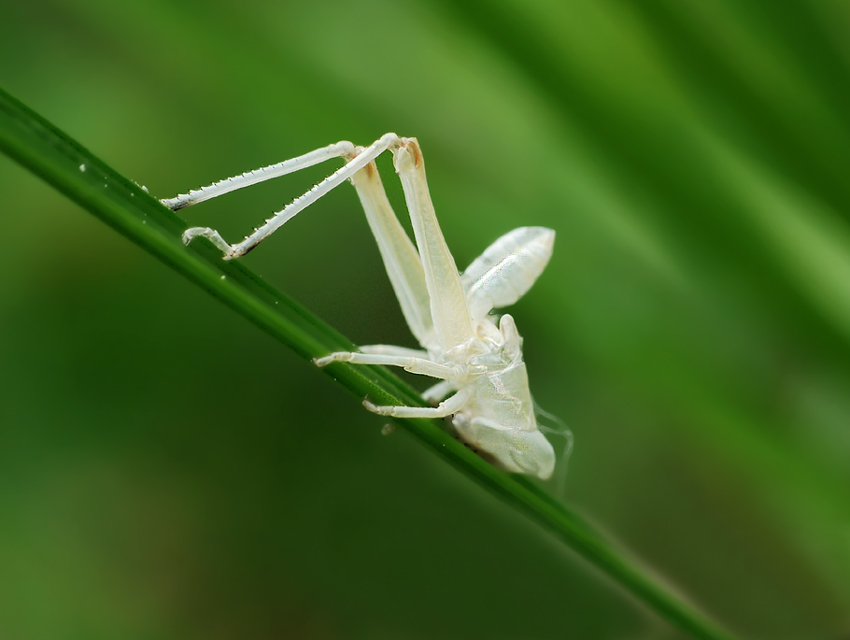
(130, 210)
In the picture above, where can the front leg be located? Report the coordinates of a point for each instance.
(446, 408)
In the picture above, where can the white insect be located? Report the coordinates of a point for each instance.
(484, 383)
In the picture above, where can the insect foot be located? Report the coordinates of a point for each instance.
(374, 408)
(337, 356)
(210, 234)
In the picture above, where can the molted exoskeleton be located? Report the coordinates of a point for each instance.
(483, 379)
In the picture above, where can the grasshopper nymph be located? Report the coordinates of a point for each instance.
(483, 380)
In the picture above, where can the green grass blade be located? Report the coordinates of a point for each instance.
(128, 208)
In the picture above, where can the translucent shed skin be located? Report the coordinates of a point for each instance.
(484, 383)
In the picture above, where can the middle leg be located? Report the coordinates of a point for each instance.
(418, 366)
(392, 350)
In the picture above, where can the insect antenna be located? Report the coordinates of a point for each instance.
(560, 429)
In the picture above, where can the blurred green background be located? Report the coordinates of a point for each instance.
(168, 471)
